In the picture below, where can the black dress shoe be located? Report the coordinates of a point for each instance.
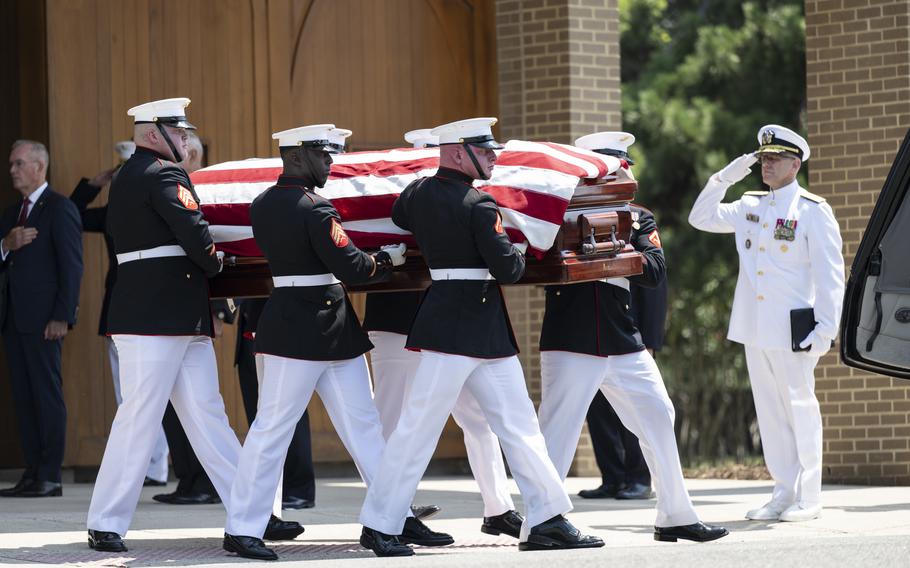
(635, 491)
(415, 532)
(104, 541)
(42, 489)
(508, 523)
(187, 498)
(149, 482)
(278, 529)
(699, 532)
(602, 492)
(291, 502)
(383, 544)
(423, 512)
(557, 534)
(16, 489)
(248, 547)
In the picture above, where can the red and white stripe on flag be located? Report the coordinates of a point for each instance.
(532, 183)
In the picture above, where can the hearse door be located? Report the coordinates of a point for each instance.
(875, 328)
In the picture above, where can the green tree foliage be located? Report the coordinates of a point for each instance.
(700, 77)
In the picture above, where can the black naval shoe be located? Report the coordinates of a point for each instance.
(291, 502)
(278, 529)
(187, 498)
(699, 532)
(424, 512)
(149, 482)
(42, 489)
(383, 544)
(508, 523)
(635, 491)
(415, 532)
(248, 547)
(16, 489)
(558, 534)
(104, 541)
(603, 492)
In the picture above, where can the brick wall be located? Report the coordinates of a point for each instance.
(858, 84)
(558, 64)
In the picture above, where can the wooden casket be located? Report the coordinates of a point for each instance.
(591, 242)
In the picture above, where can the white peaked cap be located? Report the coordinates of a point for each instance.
(170, 112)
(618, 141)
(337, 137)
(776, 139)
(316, 135)
(421, 138)
(474, 131)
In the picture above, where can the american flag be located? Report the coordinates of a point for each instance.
(532, 182)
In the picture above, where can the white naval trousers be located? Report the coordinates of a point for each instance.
(498, 386)
(158, 462)
(790, 422)
(393, 368)
(286, 386)
(154, 369)
(634, 387)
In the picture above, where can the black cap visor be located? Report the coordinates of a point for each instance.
(485, 141)
(175, 122)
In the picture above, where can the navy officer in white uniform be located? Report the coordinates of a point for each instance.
(789, 247)
(308, 337)
(465, 340)
(161, 324)
(388, 319)
(589, 341)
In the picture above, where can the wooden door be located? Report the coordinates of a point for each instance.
(251, 67)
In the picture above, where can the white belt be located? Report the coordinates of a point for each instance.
(304, 280)
(460, 274)
(621, 282)
(157, 252)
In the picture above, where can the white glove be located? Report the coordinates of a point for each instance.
(522, 247)
(220, 256)
(817, 344)
(396, 252)
(737, 169)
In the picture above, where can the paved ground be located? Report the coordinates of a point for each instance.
(861, 526)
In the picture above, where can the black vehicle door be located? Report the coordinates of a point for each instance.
(875, 328)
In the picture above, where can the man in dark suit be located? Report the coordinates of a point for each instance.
(42, 264)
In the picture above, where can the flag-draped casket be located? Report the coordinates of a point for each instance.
(568, 204)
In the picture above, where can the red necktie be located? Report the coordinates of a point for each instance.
(23, 213)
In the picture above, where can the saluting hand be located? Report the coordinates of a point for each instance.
(737, 169)
(55, 330)
(18, 237)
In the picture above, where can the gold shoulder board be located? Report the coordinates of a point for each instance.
(811, 196)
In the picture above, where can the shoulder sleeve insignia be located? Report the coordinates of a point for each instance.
(655, 239)
(811, 196)
(497, 226)
(339, 237)
(186, 197)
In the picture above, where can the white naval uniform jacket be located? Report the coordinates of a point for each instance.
(776, 275)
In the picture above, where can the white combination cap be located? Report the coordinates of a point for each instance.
(608, 143)
(337, 139)
(169, 112)
(473, 131)
(777, 139)
(421, 138)
(313, 136)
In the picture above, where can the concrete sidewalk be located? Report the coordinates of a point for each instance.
(861, 526)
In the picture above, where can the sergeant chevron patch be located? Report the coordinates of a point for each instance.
(186, 197)
(339, 237)
(655, 239)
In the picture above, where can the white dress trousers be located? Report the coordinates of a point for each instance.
(498, 386)
(790, 422)
(393, 368)
(154, 369)
(634, 387)
(158, 463)
(286, 386)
